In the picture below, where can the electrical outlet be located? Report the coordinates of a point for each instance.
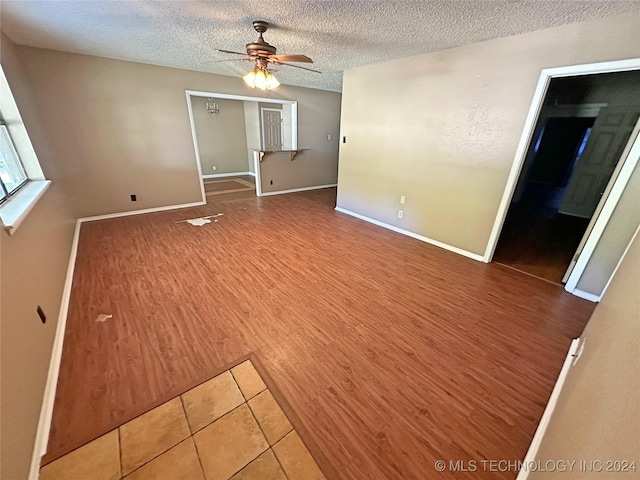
(403, 199)
(344, 139)
(329, 137)
(134, 198)
(400, 213)
(270, 182)
(214, 168)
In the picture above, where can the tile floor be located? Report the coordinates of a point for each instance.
(230, 427)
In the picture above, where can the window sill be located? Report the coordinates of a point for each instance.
(15, 210)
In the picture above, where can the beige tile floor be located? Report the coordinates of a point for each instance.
(230, 427)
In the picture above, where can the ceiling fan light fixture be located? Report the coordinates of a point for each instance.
(250, 78)
(263, 54)
(261, 79)
(272, 81)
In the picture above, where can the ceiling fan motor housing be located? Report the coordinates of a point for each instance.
(260, 48)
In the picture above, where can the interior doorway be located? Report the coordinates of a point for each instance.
(226, 140)
(583, 127)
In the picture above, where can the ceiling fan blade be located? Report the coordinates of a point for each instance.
(295, 66)
(291, 58)
(231, 60)
(229, 51)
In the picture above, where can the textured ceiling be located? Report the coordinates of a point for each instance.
(337, 34)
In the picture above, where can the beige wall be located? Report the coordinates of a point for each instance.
(117, 128)
(252, 126)
(317, 164)
(597, 416)
(222, 138)
(33, 268)
(442, 128)
(102, 129)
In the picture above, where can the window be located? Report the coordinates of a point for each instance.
(22, 182)
(12, 175)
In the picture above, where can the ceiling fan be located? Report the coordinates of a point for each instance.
(263, 54)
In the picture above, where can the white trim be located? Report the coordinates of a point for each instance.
(293, 190)
(615, 270)
(228, 96)
(140, 212)
(257, 168)
(436, 243)
(18, 131)
(16, 208)
(220, 175)
(536, 105)
(192, 122)
(548, 411)
(294, 131)
(46, 410)
(608, 208)
(521, 153)
(586, 295)
(294, 126)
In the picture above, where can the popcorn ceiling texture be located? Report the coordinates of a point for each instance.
(336, 34)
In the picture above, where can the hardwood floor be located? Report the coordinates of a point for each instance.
(228, 428)
(538, 240)
(392, 352)
(229, 188)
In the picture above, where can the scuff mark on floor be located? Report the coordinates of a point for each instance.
(103, 317)
(200, 221)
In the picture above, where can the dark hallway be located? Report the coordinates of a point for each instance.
(538, 240)
(575, 148)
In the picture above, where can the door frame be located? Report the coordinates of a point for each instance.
(267, 109)
(521, 152)
(196, 93)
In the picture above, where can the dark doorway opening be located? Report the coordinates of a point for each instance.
(571, 157)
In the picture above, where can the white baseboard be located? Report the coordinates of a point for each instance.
(293, 190)
(140, 212)
(46, 411)
(586, 295)
(548, 411)
(436, 243)
(222, 175)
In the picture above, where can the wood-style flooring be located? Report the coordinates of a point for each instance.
(393, 353)
(538, 240)
(229, 188)
(228, 428)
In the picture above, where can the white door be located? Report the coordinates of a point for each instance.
(609, 136)
(596, 214)
(271, 129)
